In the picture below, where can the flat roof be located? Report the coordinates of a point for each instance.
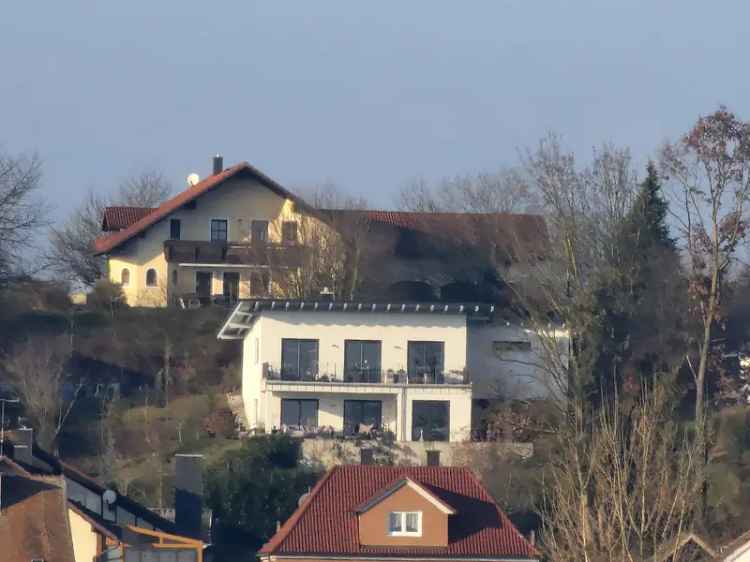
(240, 319)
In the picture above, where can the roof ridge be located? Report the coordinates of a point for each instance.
(280, 536)
(104, 244)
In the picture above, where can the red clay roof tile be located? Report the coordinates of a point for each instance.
(117, 218)
(107, 243)
(326, 522)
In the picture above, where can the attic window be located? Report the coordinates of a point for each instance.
(405, 523)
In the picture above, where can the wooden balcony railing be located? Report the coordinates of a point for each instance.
(234, 253)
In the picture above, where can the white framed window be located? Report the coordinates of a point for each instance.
(405, 523)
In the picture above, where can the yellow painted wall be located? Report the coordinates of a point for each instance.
(84, 538)
(239, 200)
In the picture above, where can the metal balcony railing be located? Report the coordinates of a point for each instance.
(369, 376)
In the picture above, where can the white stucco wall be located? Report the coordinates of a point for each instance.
(395, 330)
(262, 345)
(517, 374)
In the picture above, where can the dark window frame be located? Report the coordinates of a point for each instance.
(433, 433)
(299, 375)
(300, 401)
(289, 232)
(217, 231)
(175, 229)
(433, 374)
(359, 374)
(149, 281)
(351, 427)
(253, 238)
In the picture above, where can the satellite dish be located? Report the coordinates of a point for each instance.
(109, 497)
(302, 498)
(192, 179)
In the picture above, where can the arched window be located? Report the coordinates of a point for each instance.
(174, 277)
(151, 278)
(125, 277)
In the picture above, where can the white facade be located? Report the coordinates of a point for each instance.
(510, 361)
(262, 351)
(479, 358)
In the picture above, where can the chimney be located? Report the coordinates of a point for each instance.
(218, 164)
(366, 456)
(188, 494)
(23, 446)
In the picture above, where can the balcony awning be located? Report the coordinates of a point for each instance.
(241, 318)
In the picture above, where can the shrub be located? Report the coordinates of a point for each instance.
(106, 295)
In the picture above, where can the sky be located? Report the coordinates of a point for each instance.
(363, 94)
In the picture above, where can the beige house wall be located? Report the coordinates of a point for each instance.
(85, 539)
(239, 200)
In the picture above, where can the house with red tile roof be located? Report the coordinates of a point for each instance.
(219, 239)
(240, 234)
(359, 512)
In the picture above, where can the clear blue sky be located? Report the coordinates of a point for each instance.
(366, 94)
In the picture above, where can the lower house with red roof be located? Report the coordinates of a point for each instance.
(367, 512)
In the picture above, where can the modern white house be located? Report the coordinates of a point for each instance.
(349, 368)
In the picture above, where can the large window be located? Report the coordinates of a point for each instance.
(174, 229)
(405, 523)
(219, 230)
(426, 360)
(299, 413)
(430, 420)
(259, 231)
(299, 359)
(362, 361)
(362, 415)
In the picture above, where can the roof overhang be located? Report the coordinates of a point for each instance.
(241, 319)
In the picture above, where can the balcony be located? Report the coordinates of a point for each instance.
(369, 377)
(233, 253)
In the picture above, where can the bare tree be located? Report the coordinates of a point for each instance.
(710, 170)
(335, 241)
(504, 191)
(147, 189)
(20, 213)
(37, 370)
(629, 492)
(584, 208)
(71, 244)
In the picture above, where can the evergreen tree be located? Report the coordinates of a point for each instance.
(637, 315)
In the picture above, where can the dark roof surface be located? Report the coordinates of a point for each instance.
(107, 243)
(326, 522)
(34, 524)
(513, 232)
(117, 218)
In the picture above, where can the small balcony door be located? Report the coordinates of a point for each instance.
(203, 286)
(231, 286)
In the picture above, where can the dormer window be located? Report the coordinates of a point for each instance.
(405, 523)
